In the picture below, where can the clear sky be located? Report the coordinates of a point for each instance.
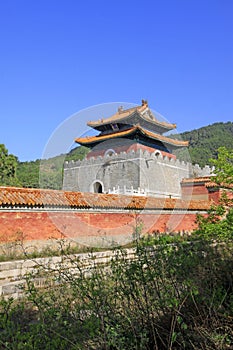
(58, 57)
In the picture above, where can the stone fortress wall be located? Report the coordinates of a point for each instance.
(134, 172)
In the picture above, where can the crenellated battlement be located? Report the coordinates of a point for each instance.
(155, 157)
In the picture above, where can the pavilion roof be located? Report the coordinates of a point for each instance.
(90, 140)
(122, 116)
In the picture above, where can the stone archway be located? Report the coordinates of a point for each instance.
(97, 187)
(110, 152)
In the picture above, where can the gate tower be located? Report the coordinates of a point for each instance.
(130, 155)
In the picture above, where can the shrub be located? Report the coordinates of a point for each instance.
(169, 296)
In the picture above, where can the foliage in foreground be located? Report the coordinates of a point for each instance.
(224, 166)
(218, 224)
(172, 296)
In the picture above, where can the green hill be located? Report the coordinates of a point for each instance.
(204, 142)
(203, 145)
(47, 173)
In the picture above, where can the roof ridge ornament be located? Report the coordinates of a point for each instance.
(144, 103)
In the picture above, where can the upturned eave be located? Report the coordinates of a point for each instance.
(92, 140)
(127, 116)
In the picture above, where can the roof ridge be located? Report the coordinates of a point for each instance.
(122, 114)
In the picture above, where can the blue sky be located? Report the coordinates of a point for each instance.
(59, 57)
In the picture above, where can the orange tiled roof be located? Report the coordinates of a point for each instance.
(208, 182)
(93, 139)
(202, 179)
(121, 115)
(12, 197)
(223, 185)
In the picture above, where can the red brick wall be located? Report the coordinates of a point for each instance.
(201, 192)
(198, 191)
(127, 148)
(41, 225)
(214, 196)
(30, 225)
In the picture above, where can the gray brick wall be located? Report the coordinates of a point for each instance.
(137, 171)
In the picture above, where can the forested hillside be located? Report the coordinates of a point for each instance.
(47, 173)
(204, 142)
(203, 145)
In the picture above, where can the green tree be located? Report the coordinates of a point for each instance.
(28, 173)
(47, 173)
(8, 165)
(218, 224)
(224, 166)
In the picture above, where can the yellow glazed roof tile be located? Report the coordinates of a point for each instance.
(99, 138)
(121, 115)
